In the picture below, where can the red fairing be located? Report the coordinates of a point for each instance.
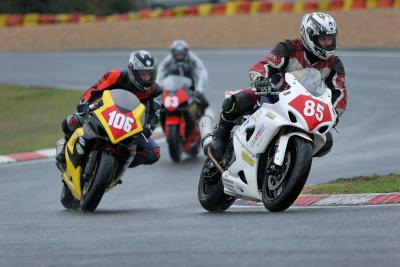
(313, 111)
(172, 102)
(120, 123)
(175, 120)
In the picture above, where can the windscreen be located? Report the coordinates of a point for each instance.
(311, 80)
(124, 100)
(174, 82)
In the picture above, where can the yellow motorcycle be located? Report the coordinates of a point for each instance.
(98, 152)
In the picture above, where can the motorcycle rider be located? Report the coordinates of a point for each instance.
(139, 79)
(315, 48)
(186, 63)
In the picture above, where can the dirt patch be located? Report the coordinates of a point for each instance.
(364, 28)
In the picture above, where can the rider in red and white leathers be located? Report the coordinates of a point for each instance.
(315, 49)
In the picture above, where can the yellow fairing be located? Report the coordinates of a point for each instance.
(137, 114)
(72, 174)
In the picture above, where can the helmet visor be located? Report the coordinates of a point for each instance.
(179, 54)
(326, 42)
(146, 77)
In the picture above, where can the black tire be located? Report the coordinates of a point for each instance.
(280, 190)
(67, 199)
(104, 170)
(174, 143)
(211, 190)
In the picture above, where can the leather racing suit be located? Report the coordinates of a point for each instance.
(191, 67)
(148, 151)
(287, 56)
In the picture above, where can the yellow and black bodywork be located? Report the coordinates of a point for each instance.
(118, 116)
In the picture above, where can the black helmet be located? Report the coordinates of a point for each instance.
(142, 63)
(179, 50)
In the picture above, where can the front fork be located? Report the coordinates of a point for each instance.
(281, 144)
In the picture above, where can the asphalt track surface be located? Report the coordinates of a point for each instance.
(154, 219)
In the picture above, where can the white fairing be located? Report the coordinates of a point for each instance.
(312, 113)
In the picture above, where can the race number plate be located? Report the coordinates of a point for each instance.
(313, 111)
(119, 123)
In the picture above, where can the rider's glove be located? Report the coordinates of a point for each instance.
(262, 84)
(83, 106)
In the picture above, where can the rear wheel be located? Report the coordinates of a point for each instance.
(211, 189)
(174, 143)
(94, 189)
(281, 185)
(67, 199)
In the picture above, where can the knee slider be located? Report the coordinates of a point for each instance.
(228, 104)
(244, 102)
(238, 104)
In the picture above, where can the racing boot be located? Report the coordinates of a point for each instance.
(222, 134)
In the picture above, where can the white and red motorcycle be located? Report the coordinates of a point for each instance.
(269, 157)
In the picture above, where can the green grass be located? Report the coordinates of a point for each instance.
(31, 116)
(358, 185)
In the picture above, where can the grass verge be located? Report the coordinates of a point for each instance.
(358, 185)
(31, 116)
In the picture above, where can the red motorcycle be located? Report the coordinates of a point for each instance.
(179, 117)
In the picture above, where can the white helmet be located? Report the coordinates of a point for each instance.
(314, 25)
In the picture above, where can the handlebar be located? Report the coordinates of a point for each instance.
(93, 106)
(264, 93)
(267, 94)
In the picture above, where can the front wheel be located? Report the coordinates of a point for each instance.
(281, 185)
(93, 190)
(211, 189)
(174, 143)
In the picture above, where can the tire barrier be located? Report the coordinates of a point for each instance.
(214, 32)
(225, 9)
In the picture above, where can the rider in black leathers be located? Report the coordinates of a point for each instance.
(139, 79)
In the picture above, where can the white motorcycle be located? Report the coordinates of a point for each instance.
(270, 155)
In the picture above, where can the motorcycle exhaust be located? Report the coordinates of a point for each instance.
(207, 136)
(206, 132)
